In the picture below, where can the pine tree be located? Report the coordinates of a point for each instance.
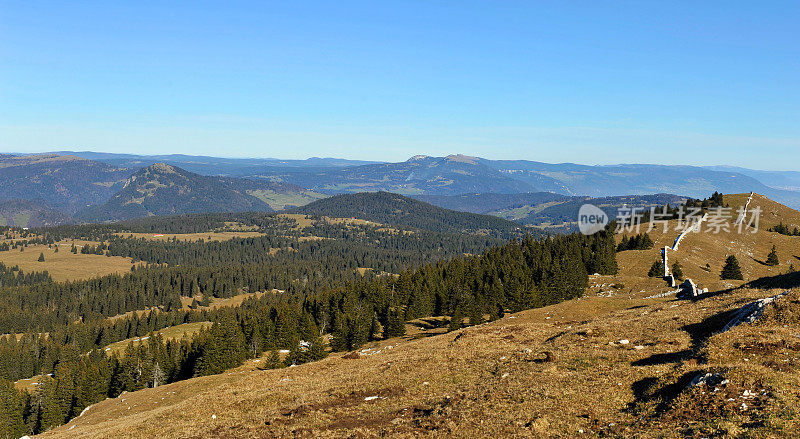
(224, 347)
(677, 271)
(731, 270)
(273, 361)
(772, 258)
(395, 326)
(12, 407)
(657, 269)
(457, 321)
(41, 257)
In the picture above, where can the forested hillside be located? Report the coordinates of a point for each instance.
(25, 213)
(64, 182)
(314, 287)
(398, 210)
(166, 190)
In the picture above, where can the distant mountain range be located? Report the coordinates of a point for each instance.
(162, 189)
(98, 186)
(546, 210)
(64, 182)
(232, 167)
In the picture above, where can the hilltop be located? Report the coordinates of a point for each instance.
(67, 183)
(161, 189)
(398, 210)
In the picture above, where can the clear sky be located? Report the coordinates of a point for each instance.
(588, 82)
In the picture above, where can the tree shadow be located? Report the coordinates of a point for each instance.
(666, 358)
(648, 390)
(785, 281)
(652, 389)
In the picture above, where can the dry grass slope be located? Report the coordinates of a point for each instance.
(609, 366)
(64, 265)
(614, 363)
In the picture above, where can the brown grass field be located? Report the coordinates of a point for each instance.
(230, 301)
(64, 265)
(172, 333)
(560, 371)
(613, 363)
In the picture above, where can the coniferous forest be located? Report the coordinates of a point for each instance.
(329, 287)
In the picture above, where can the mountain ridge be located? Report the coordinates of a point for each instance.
(162, 189)
(398, 210)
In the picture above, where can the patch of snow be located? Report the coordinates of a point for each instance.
(370, 398)
(86, 409)
(624, 341)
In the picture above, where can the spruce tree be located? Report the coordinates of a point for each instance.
(395, 326)
(224, 347)
(732, 270)
(12, 407)
(457, 320)
(772, 258)
(677, 271)
(317, 349)
(657, 269)
(273, 361)
(41, 257)
(476, 317)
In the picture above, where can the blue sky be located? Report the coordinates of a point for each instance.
(587, 82)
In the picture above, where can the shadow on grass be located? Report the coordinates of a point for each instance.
(785, 281)
(701, 331)
(648, 390)
(759, 261)
(653, 389)
(667, 358)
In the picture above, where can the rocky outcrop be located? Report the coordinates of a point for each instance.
(751, 312)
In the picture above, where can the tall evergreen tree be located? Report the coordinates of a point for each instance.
(395, 326)
(677, 270)
(657, 269)
(12, 407)
(732, 270)
(772, 258)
